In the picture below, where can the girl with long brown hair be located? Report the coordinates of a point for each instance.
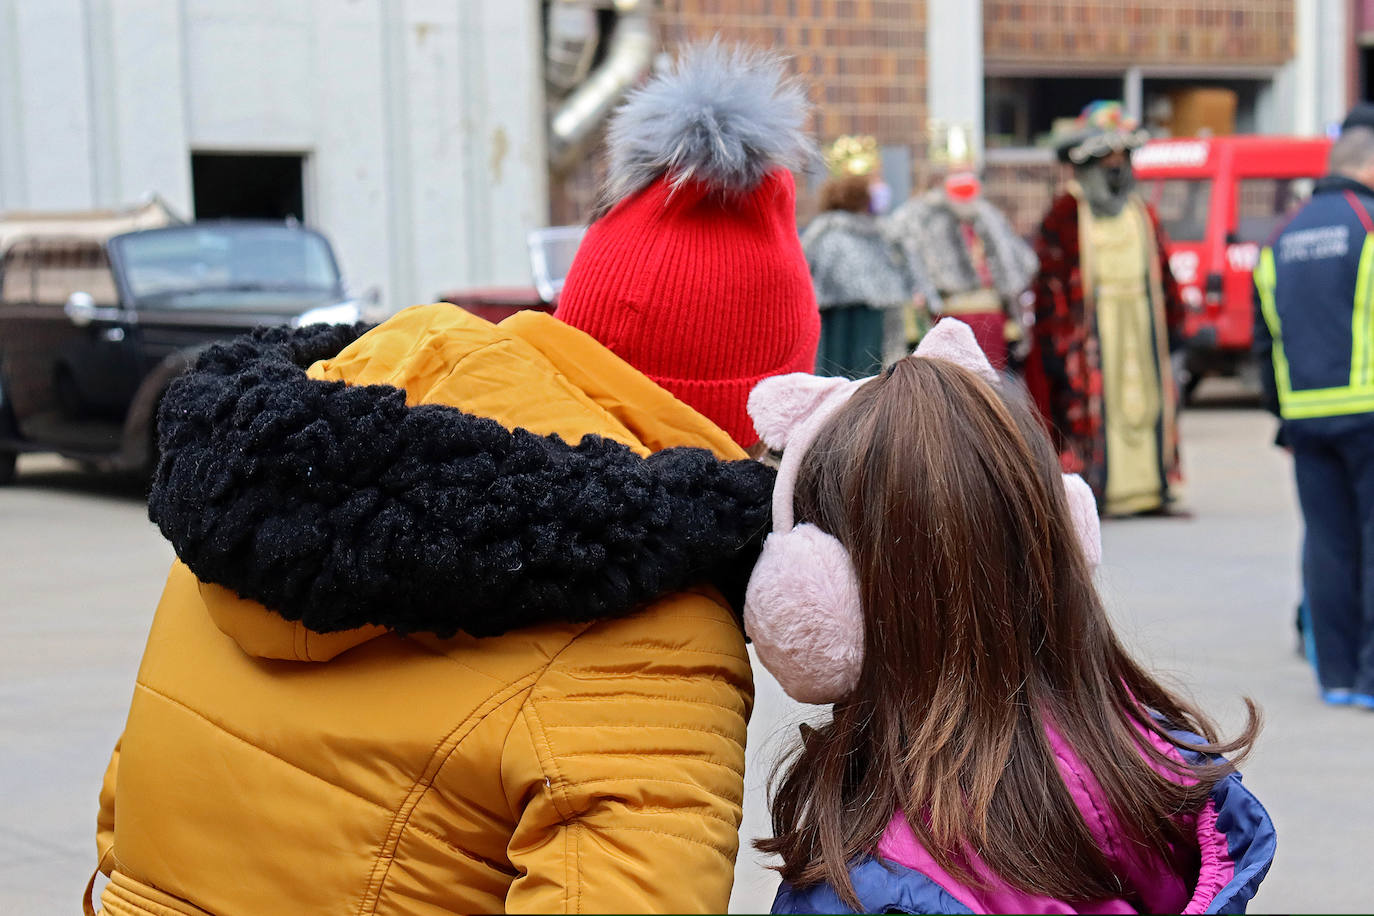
(993, 747)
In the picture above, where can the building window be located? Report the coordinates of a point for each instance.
(1022, 111)
(248, 186)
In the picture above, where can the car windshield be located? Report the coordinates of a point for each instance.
(188, 260)
(1262, 205)
(1182, 206)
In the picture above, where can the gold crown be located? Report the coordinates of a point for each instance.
(950, 145)
(853, 155)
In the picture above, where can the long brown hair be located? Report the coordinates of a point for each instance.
(849, 192)
(982, 627)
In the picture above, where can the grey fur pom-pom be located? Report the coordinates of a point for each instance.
(722, 115)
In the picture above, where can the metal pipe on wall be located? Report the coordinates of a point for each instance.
(629, 55)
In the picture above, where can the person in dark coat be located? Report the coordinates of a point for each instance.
(1314, 339)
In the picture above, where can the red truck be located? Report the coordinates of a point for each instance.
(1220, 200)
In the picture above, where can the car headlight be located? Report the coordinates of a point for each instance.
(340, 313)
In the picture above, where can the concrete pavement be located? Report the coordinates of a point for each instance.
(1207, 601)
(80, 573)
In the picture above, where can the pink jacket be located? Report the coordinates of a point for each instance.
(1235, 846)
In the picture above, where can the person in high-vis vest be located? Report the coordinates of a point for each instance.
(1314, 336)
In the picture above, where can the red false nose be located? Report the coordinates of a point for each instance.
(963, 186)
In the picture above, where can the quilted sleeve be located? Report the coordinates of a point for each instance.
(627, 766)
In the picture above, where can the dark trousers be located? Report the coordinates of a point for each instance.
(1336, 489)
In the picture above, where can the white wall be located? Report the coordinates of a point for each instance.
(1319, 66)
(43, 78)
(954, 65)
(421, 120)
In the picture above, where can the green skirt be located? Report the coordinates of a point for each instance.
(851, 341)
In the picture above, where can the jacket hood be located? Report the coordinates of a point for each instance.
(419, 478)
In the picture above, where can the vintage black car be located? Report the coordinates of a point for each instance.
(93, 329)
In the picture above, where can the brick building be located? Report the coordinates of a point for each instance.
(1008, 69)
(1168, 60)
(863, 60)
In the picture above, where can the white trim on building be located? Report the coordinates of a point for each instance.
(1319, 90)
(954, 67)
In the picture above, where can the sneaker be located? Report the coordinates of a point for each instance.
(1339, 696)
(1362, 700)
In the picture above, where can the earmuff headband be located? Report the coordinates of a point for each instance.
(799, 444)
(803, 607)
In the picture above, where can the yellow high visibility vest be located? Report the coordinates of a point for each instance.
(1310, 403)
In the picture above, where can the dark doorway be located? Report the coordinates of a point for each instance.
(1166, 99)
(248, 186)
(1022, 110)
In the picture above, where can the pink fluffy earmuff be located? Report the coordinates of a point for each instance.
(802, 608)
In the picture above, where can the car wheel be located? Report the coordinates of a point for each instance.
(8, 458)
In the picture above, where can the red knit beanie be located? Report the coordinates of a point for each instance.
(696, 276)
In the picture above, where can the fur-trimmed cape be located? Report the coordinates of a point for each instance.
(931, 234)
(341, 506)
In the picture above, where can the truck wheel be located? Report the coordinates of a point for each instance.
(1190, 385)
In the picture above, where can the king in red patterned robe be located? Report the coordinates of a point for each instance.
(1108, 313)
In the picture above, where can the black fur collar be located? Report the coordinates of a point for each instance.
(340, 506)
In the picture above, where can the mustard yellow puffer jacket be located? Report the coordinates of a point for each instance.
(563, 767)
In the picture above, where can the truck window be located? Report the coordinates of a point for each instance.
(65, 267)
(1182, 205)
(1262, 204)
(16, 275)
